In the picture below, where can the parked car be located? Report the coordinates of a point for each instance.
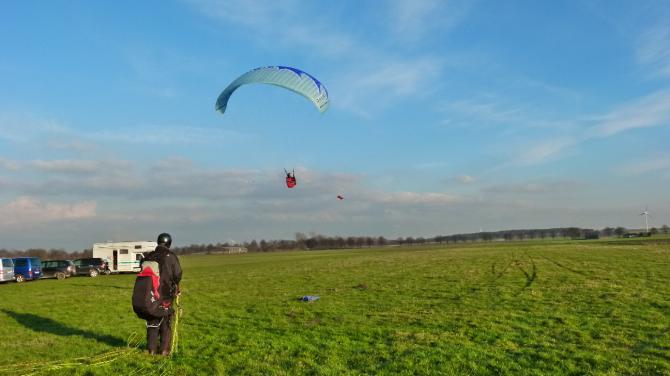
(59, 269)
(6, 269)
(71, 267)
(91, 266)
(27, 268)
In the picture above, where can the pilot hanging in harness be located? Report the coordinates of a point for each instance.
(290, 179)
(156, 286)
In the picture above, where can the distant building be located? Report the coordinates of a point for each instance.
(636, 234)
(231, 250)
(221, 250)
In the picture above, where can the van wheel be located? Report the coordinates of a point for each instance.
(60, 275)
(108, 272)
(93, 273)
(19, 278)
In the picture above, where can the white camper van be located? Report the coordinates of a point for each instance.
(123, 256)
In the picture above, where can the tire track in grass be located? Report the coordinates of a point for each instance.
(502, 272)
(530, 277)
(493, 283)
(580, 272)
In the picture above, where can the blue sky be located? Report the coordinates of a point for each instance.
(445, 117)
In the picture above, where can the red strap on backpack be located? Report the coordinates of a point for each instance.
(155, 282)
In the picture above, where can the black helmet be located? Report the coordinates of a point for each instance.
(164, 239)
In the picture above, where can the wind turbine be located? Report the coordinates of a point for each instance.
(646, 215)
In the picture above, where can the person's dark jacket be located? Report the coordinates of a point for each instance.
(170, 271)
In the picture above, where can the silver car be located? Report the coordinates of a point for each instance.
(6, 269)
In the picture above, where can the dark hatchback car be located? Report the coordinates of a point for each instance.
(59, 269)
(90, 266)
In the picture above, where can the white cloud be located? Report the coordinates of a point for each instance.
(201, 204)
(649, 111)
(27, 210)
(250, 13)
(381, 84)
(70, 145)
(166, 134)
(402, 198)
(651, 164)
(654, 48)
(400, 78)
(159, 71)
(9, 164)
(497, 110)
(30, 129)
(543, 151)
(466, 179)
(67, 166)
(200, 194)
(411, 21)
(487, 110)
(534, 187)
(26, 127)
(283, 22)
(174, 178)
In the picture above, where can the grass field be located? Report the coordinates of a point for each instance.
(526, 308)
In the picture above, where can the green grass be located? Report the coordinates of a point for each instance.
(525, 308)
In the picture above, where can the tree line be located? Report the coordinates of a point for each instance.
(314, 241)
(44, 254)
(318, 241)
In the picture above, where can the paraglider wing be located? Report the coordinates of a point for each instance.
(289, 78)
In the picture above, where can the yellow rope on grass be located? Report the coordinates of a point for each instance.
(175, 332)
(96, 360)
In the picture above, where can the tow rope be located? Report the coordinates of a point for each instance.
(175, 333)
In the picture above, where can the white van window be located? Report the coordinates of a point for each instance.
(124, 251)
(138, 247)
(7, 263)
(138, 257)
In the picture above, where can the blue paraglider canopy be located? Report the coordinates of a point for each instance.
(289, 78)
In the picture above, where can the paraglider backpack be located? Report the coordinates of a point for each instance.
(147, 302)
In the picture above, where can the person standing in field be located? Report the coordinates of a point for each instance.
(159, 330)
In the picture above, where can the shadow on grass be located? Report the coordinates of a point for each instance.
(47, 325)
(106, 286)
(83, 284)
